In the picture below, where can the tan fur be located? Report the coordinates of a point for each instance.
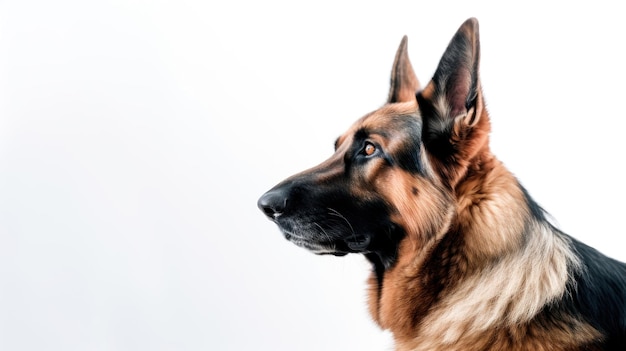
(489, 210)
(507, 280)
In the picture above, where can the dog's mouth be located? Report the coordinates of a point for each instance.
(324, 245)
(318, 248)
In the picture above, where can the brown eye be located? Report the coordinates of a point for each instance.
(369, 149)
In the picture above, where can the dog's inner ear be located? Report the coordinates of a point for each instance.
(451, 105)
(404, 83)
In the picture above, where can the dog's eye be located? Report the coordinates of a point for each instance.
(369, 149)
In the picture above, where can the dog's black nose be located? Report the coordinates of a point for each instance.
(273, 203)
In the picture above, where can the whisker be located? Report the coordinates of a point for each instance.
(323, 231)
(336, 213)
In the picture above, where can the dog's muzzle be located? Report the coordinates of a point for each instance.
(297, 226)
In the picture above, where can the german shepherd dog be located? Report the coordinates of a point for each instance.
(462, 257)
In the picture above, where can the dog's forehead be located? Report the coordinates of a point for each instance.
(389, 118)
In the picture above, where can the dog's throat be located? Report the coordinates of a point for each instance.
(376, 285)
(383, 259)
(383, 254)
(378, 268)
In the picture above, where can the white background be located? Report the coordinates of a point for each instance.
(136, 137)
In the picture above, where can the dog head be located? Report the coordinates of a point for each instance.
(394, 172)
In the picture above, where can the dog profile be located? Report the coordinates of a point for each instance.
(462, 257)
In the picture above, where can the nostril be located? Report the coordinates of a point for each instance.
(273, 203)
(270, 212)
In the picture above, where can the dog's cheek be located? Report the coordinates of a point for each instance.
(420, 207)
(371, 176)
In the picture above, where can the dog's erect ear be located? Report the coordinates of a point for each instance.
(452, 107)
(404, 83)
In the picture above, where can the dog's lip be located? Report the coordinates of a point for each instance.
(334, 253)
(358, 242)
(316, 247)
(289, 236)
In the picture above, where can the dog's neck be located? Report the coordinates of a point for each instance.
(491, 210)
(443, 254)
(490, 198)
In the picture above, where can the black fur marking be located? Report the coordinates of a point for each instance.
(385, 254)
(409, 157)
(436, 133)
(597, 293)
(385, 251)
(535, 210)
(600, 294)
